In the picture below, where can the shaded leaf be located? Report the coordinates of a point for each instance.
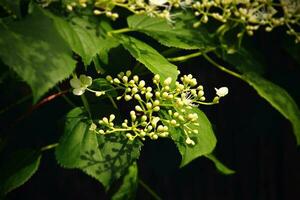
(219, 165)
(243, 60)
(129, 185)
(35, 51)
(153, 60)
(181, 34)
(103, 85)
(205, 140)
(18, 169)
(278, 98)
(105, 158)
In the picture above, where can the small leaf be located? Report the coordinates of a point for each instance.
(278, 98)
(105, 158)
(219, 165)
(205, 140)
(154, 61)
(129, 185)
(18, 169)
(35, 51)
(181, 34)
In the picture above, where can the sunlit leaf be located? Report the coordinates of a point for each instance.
(153, 60)
(106, 158)
(35, 51)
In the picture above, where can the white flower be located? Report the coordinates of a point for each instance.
(158, 2)
(79, 85)
(187, 99)
(221, 92)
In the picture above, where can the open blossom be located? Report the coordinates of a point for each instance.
(80, 85)
(221, 92)
(158, 2)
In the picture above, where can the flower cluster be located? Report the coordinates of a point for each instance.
(146, 119)
(249, 14)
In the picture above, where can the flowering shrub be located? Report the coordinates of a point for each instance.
(73, 46)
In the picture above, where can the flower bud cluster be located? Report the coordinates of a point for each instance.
(250, 14)
(145, 119)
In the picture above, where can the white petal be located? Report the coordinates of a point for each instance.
(221, 92)
(75, 83)
(78, 91)
(158, 2)
(86, 80)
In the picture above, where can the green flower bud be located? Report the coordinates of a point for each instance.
(127, 97)
(168, 81)
(138, 108)
(137, 97)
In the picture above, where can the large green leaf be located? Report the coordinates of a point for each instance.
(154, 61)
(105, 158)
(181, 34)
(205, 140)
(82, 36)
(35, 51)
(219, 165)
(129, 185)
(18, 169)
(278, 98)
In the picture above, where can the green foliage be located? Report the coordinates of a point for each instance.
(105, 158)
(144, 53)
(205, 140)
(45, 45)
(180, 35)
(220, 166)
(42, 60)
(243, 60)
(18, 169)
(129, 185)
(278, 98)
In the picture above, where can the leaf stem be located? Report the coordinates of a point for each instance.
(48, 147)
(146, 187)
(86, 105)
(66, 98)
(189, 56)
(224, 69)
(112, 102)
(118, 31)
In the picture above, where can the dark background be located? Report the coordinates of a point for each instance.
(253, 139)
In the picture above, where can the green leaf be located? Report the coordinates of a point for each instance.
(205, 140)
(129, 185)
(103, 85)
(219, 165)
(180, 35)
(154, 61)
(278, 98)
(244, 60)
(18, 169)
(35, 51)
(105, 158)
